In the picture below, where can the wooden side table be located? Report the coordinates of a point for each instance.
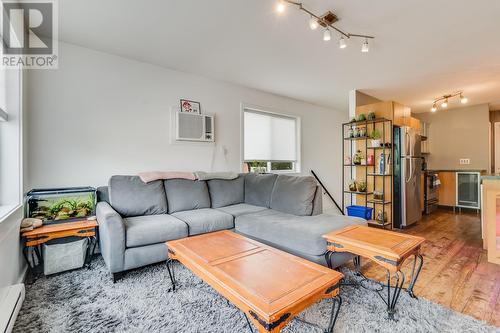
(32, 240)
(388, 249)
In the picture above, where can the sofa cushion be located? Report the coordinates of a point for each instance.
(225, 192)
(240, 209)
(185, 194)
(301, 233)
(130, 196)
(258, 188)
(201, 221)
(152, 229)
(293, 195)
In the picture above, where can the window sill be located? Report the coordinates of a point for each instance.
(7, 210)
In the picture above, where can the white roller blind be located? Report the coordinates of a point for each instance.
(269, 137)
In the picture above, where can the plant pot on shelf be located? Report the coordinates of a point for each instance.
(356, 159)
(361, 186)
(352, 185)
(375, 143)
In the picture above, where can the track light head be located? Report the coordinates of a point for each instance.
(313, 23)
(434, 108)
(444, 105)
(365, 48)
(280, 6)
(463, 99)
(342, 43)
(327, 35)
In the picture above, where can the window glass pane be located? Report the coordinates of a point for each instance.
(284, 166)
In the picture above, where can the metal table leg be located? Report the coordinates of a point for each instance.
(415, 273)
(170, 268)
(337, 302)
(392, 300)
(248, 323)
(328, 259)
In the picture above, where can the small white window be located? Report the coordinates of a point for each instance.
(271, 141)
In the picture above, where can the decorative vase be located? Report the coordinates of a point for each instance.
(356, 132)
(370, 160)
(350, 132)
(362, 131)
(347, 160)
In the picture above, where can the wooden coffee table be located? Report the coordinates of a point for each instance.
(388, 249)
(268, 285)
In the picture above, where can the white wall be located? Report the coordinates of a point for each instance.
(458, 133)
(100, 114)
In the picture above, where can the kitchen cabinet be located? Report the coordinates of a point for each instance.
(398, 113)
(448, 188)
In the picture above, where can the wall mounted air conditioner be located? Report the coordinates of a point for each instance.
(194, 127)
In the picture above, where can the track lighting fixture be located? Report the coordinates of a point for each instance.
(326, 21)
(445, 98)
(342, 43)
(327, 35)
(313, 23)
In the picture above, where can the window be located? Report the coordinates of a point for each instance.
(11, 171)
(271, 141)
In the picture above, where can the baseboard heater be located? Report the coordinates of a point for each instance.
(11, 300)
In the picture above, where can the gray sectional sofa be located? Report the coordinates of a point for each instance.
(136, 219)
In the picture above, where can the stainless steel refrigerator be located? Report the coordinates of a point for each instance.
(407, 177)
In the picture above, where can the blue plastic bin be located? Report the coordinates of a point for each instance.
(360, 211)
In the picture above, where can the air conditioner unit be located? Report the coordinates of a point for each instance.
(194, 127)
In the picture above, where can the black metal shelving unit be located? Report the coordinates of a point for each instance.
(369, 170)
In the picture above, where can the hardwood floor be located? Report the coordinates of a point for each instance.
(456, 273)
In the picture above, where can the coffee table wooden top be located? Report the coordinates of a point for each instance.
(388, 248)
(268, 285)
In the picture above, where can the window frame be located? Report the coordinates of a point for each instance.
(298, 128)
(14, 78)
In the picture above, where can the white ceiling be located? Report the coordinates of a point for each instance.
(422, 49)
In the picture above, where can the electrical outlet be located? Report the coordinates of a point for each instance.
(464, 161)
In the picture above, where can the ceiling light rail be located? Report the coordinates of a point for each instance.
(444, 99)
(326, 21)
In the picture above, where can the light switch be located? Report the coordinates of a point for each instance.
(464, 161)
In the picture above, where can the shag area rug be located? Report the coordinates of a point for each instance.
(86, 300)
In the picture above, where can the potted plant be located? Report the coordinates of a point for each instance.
(361, 186)
(375, 136)
(352, 185)
(361, 117)
(371, 115)
(356, 159)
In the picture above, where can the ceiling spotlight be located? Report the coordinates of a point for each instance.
(313, 23)
(280, 6)
(463, 99)
(434, 107)
(342, 43)
(444, 104)
(365, 47)
(327, 35)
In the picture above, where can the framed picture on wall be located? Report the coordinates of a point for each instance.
(190, 106)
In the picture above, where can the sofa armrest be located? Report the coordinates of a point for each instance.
(111, 236)
(318, 201)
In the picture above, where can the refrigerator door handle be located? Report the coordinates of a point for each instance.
(410, 173)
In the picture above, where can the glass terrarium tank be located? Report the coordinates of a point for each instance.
(61, 204)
